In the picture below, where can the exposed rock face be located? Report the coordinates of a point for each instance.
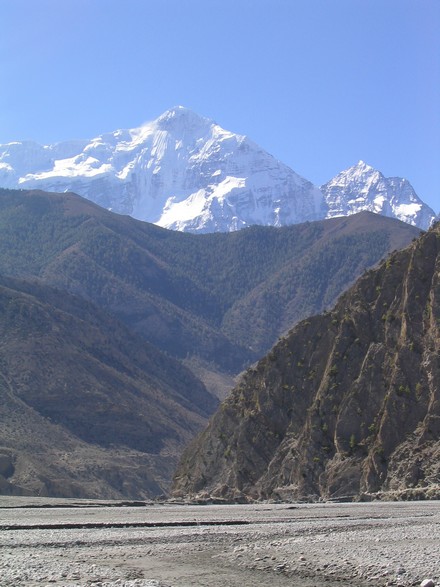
(348, 402)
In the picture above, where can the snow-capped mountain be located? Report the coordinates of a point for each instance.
(362, 187)
(181, 171)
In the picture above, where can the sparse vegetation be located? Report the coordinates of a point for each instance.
(359, 419)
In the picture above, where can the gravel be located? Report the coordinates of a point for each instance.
(66, 543)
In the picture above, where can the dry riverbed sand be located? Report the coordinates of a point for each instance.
(68, 543)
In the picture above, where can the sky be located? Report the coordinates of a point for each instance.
(319, 84)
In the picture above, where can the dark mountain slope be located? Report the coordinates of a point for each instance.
(222, 297)
(87, 407)
(119, 263)
(309, 282)
(348, 402)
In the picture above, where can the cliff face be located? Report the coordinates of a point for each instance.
(347, 403)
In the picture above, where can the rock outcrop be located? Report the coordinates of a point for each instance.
(347, 404)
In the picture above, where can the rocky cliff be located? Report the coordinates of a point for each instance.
(346, 404)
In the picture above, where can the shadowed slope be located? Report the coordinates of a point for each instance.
(88, 408)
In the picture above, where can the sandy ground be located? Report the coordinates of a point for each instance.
(65, 543)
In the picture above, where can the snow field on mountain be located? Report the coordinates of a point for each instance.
(184, 172)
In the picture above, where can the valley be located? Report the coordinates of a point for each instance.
(219, 293)
(119, 337)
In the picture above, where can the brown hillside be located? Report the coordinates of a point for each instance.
(87, 409)
(348, 403)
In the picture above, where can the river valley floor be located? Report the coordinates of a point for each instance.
(49, 542)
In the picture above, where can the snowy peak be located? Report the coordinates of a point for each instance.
(185, 172)
(181, 119)
(362, 167)
(361, 187)
(180, 171)
(358, 174)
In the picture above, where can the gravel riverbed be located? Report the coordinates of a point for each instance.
(68, 543)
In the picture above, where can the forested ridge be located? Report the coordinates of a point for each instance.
(225, 298)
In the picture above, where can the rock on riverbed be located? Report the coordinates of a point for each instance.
(98, 545)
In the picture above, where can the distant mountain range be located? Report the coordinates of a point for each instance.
(116, 333)
(184, 172)
(346, 405)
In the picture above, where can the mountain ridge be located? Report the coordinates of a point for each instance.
(190, 294)
(102, 300)
(184, 172)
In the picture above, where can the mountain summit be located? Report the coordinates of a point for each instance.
(183, 171)
(361, 187)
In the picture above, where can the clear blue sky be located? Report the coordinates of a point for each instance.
(319, 84)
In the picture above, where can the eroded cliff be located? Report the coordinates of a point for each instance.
(346, 404)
